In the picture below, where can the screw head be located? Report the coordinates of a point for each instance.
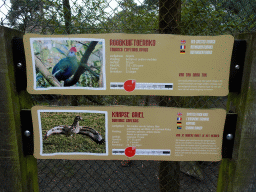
(229, 136)
(27, 133)
(19, 65)
(237, 66)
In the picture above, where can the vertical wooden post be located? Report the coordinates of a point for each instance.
(169, 20)
(238, 174)
(18, 173)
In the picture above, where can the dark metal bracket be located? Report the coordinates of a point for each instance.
(27, 132)
(237, 66)
(229, 135)
(19, 61)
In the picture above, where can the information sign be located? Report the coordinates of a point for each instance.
(128, 64)
(121, 133)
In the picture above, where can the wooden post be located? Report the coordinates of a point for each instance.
(238, 174)
(17, 173)
(169, 20)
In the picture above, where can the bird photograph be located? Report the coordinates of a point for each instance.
(73, 63)
(73, 132)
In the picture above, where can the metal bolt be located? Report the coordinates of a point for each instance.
(19, 65)
(237, 66)
(229, 136)
(27, 133)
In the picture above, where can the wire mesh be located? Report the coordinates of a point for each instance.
(194, 17)
(187, 17)
(94, 175)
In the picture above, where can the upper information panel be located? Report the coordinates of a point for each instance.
(128, 64)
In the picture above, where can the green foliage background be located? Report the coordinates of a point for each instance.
(60, 51)
(198, 17)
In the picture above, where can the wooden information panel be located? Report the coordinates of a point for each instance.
(128, 64)
(121, 133)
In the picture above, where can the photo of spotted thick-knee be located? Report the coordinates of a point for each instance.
(75, 128)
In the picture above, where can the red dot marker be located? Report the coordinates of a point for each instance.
(129, 85)
(130, 151)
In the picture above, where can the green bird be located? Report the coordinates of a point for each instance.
(66, 67)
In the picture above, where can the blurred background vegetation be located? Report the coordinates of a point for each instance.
(197, 17)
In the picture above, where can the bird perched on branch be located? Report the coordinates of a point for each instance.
(66, 67)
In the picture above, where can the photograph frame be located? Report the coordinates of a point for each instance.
(61, 139)
(60, 62)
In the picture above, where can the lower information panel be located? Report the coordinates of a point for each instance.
(122, 132)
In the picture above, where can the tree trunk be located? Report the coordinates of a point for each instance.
(169, 16)
(169, 19)
(67, 15)
(41, 9)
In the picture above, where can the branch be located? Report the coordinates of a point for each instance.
(47, 75)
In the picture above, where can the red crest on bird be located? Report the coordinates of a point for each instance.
(73, 49)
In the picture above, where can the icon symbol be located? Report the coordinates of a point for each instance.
(129, 85)
(130, 151)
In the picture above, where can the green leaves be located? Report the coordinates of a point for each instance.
(198, 17)
(133, 18)
(206, 17)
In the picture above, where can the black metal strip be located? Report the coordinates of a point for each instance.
(27, 132)
(237, 66)
(19, 61)
(229, 135)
